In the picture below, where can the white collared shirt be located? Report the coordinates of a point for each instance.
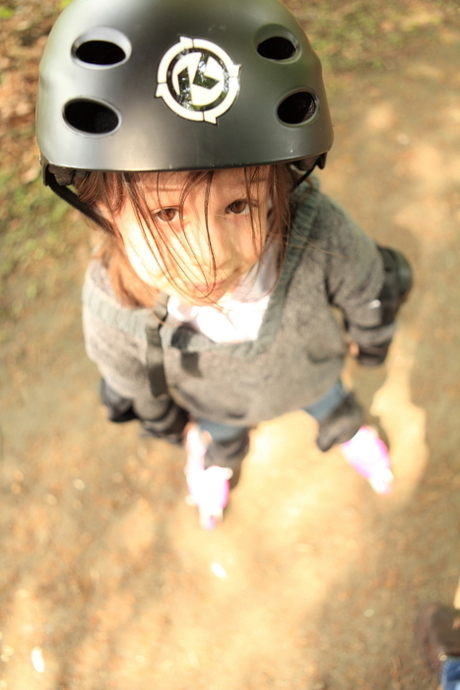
(238, 315)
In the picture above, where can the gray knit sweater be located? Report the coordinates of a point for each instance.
(300, 350)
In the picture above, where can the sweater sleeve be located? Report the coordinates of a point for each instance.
(355, 276)
(115, 341)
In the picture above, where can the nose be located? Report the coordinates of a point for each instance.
(204, 245)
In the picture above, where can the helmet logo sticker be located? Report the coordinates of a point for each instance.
(198, 80)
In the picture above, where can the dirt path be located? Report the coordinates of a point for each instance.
(312, 580)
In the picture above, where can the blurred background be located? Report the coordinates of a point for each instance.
(312, 581)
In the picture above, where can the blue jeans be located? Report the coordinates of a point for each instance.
(319, 410)
(450, 673)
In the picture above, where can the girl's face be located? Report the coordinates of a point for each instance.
(200, 246)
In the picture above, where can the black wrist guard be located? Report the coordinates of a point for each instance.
(396, 285)
(373, 355)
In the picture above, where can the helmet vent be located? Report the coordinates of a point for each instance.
(91, 117)
(297, 108)
(100, 53)
(277, 48)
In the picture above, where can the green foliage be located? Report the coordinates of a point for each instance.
(34, 235)
(358, 34)
(6, 12)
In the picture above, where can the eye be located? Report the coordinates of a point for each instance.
(167, 215)
(239, 206)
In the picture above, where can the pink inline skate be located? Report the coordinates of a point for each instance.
(368, 454)
(209, 488)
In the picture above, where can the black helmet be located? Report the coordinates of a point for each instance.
(156, 85)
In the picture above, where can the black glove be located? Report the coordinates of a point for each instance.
(373, 355)
(169, 426)
(119, 409)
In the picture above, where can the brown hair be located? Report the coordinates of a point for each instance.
(111, 190)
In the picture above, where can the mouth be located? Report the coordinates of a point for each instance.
(208, 288)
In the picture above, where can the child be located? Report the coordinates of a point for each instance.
(188, 133)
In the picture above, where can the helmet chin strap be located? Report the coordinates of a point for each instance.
(307, 165)
(62, 190)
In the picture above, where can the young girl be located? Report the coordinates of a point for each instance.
(188, 134)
